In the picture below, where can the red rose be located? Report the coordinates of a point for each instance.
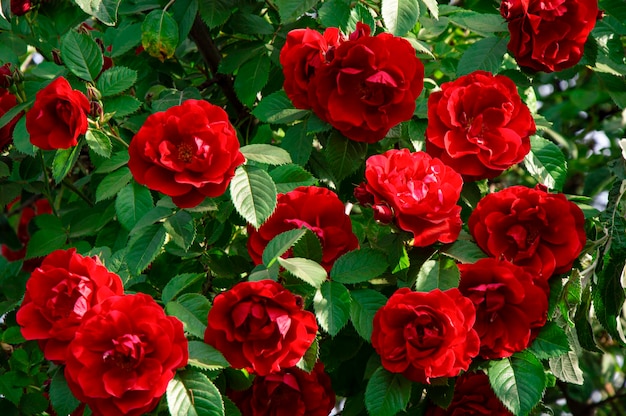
(478, 125)
(473, 395)
(290, 392)
(20, 7)
(58, 116)
(260, 326)
(124, 354)
(532, 228)
(421, 191)
(426, 335)
(509, 306)
(58, 294)
(318, 209)
(189, 152)
(369, 86)
(7, 102)
(549, 35)
(304, 51)
(41, 206)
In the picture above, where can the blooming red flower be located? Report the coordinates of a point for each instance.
(532, 228)
(58, 294)
(426, 335)
(289, 392)
(125, 352)
(549, 35)
(58, 116)
(369, 86)
(473, 395)
(20, 7)
(510, 308)
(422, 192)
(478, 125)
(318, 209)
(189, 152)
(260, 326)
(7, 102)
(305, 50)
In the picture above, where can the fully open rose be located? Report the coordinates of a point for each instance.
(318, 209)
(289, 392)
(189, 152)
(260, 326)
(58, 117)
(426, 335)
(124, 354)
(58, 294)
(473, 396)
(549, 35)
(369, 86)
(305, 50)
(420, 191)
(478, 125)
(509, 306)
(532, 228)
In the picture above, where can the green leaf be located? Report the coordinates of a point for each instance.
(332, 306)
(181, 229)
(159, 34)
(250, 24)
(206, 357)
(116, 80)
(290, 10)
(132, 203)
(386, 393)
(310, 357)
(103, 10)
(305, 269)
(309, 247)
(251, 78)
(550, 342)
(486, 54)
(215, 12)
(191, 393)
(61, 397)
(335, 13)
(184, 12)
(478, 22)
(289, 177)
(113, 183)
(566, 367)
(359, 266)
(144, 247)
(121, 105)
(12, 113)
(64, 160)
(116, 161)
(344, 156)
(21, 138)
(99, 142)
(400, 16)
(433, 8)
(45, 241)
(179, 283)
(266, 153)
(276, 108)
(518, 381)
(280, 244)
(253, 194)
(546, 163)
(82, 55)
(464, 251)
(192, 310)
(298, 143)
(365, 304)
(442, 274)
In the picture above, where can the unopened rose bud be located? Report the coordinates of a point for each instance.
(383, 213)
(362, 195)
(93, 93)
(6, 76)
(18, 76)
(84, 28)
(20, 7)
(56, 57)
(95, 110)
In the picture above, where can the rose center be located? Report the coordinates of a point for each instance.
(185, 152)
(71, 297)
(63, 110)
(424, 332)
(127, 352)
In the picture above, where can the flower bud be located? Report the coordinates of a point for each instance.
(383, 213)
(362, 195)
(20, 7)
(95, 110)
(56, 57)
(6, 75)
(93, 93)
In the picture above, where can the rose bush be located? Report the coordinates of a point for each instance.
(260, 326)
(123, 355)
(421, 192)
(509, 306)
(291, 391)
(478, 125)
(425, 335)
(549, 35)
(540, 231)
(188, 152)
(58, 294)
(58, 116)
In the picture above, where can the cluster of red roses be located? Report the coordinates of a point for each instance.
(119, 351)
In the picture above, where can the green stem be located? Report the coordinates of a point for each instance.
(47, 190)
(77, 191)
